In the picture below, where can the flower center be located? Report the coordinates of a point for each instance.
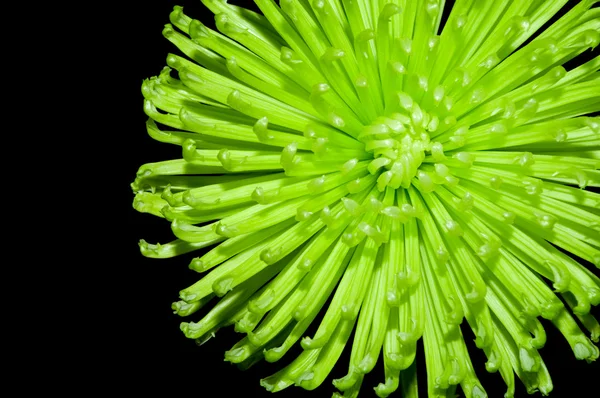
(398, 143)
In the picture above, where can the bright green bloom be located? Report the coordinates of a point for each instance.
(417, 175)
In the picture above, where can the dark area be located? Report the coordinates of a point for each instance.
(152, 353)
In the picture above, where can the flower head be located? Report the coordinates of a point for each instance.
(361, 165)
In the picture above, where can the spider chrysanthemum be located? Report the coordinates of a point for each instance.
(360, 165)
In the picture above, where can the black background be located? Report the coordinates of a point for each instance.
(152, 355)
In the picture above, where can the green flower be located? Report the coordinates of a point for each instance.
(359, 164)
